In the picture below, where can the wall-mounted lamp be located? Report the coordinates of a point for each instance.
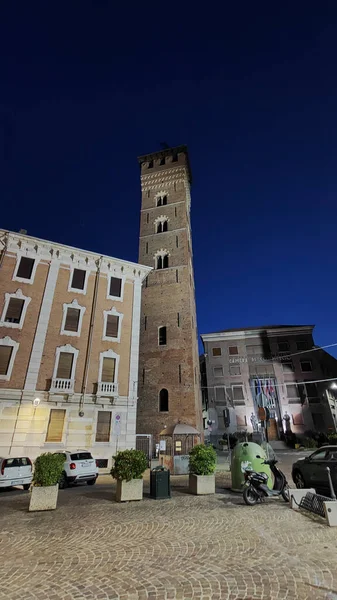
(36, 401)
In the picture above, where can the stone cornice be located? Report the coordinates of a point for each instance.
(23, 244)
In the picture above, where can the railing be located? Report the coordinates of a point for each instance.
(107, 389)
(62, 385)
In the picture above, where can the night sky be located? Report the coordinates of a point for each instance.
(86, 87)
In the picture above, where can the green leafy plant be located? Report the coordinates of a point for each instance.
(48, 469)
(129, 464)
(202, 460)
(309, 442)
(332, 437)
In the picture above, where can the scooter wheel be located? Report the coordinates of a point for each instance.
(285, 494)
(250, 496)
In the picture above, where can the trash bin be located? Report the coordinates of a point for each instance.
(243, 456)
(160, 483)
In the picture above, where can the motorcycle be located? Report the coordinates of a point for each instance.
(256, 489)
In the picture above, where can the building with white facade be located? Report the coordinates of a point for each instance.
(69, 347)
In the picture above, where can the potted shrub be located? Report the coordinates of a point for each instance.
(128, 470)
(202, 467)
(45, 485)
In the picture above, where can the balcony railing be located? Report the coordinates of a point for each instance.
(62, 386)
(107, 389)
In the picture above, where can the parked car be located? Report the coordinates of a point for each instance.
(311, 471)
(16, 471)
(79, 466)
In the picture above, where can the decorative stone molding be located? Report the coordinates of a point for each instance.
(82, 309)
(7, 341)
(120, 316)
(161, 219)
(19, 295)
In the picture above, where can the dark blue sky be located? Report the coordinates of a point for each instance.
(85, 87)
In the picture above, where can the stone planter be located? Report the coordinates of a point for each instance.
(202, 484)
(129, 490)
(43, 498)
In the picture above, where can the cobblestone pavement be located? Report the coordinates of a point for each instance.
(210, 547)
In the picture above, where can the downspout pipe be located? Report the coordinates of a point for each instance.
(90, 336)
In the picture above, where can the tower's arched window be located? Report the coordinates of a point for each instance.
(160, 227)
(164, 226)
(164, 200)
(162, 261)
(163, 400)
(159, 201)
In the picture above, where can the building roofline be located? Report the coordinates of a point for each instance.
(252, 331)
(126, 263)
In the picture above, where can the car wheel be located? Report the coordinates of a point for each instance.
(91, 482)
(26, 486)
(298, 480)
(63, 483)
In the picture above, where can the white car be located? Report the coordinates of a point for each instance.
(16, 471)
(78, 466)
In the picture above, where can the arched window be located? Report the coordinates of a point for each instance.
(164, 226)
(160, 227)
(164, 200)
(159, 201)
(163, 400)
(162, 261)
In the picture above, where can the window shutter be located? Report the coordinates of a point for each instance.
(103, 426)
(112, 326)
(14, 310)
(72, 319)
(25, 267)
(115, 287)
(65, 365)
(78, 279)
(5, 357)
(55, 425)
(108, 370)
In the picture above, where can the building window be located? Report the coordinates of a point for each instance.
(147, 248)
(145, 323)
(178, 446)
(216, 351)
(72, 319)
(302, 345)
(254, 350)
(162, 261)
(163, 400)
(283, 346)
(238, 393)
(147, 217)
(162, 336)
(175, 211)
(292, 391)
(8, 350)
(220, 394)
(78, 281)
(233, 350)
(177, 242)
(179, 370)
(175, 157)
(161, 225)
(148, 193)
(103, 426)
(14, 311)
(143, 376)
(311, 390)
(288, 367)
(55, 425)
(162, 161)
(159, 201)
(108, 371)
(306, 366)
(218, 371)
(64, 369)
(234, 370)
(112, 325)
(177, 276)
(25, 269)
(150, 166)
(115, 288)
(178, 319)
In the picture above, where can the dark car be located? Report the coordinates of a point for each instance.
(311, 471)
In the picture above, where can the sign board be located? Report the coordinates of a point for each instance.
(117, 424)
(162, 445)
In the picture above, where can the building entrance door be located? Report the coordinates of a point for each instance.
(272, 430)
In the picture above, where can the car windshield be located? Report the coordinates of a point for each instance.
(80, 456)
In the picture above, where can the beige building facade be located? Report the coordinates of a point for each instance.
(69, 346)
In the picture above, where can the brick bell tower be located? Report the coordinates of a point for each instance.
(168, 381)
